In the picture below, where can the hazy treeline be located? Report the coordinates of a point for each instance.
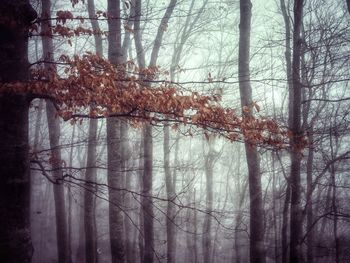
(115, 190)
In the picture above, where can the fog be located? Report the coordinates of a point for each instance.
(247, 159)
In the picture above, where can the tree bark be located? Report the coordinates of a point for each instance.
(147, 202)
(58, 188)
(15, 240)
(115, 162)
(89, 197)
(257, 254)
(170, 191)
(207, 239)
(295, 127)
(288, 58)
(54, 136)
(90, 174)
(309, 201)
(284, 230)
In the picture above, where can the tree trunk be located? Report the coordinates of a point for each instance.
(58, 188)
(15, 240)
(56, 161)
(288, 57)
(115, 162)
(69, 192)
(90, 175)
(207, 239)
(334, 146)
(89, 197)
(141, 216)
(147, 202)
(130, 229)
(115, 181)
(170, 191)
(295, 127)
(309, 201)
(284, 230)
(257, 254)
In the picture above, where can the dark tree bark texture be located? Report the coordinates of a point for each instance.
(15, 240)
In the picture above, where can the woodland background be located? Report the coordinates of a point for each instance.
(210, 131)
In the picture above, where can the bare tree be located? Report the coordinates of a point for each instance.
(295, 127)
(90, 174)
(54, 136)
(257, 253)
(147, 204)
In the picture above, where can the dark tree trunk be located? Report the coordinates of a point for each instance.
(15, 240)
(257, 254)
(295, 127)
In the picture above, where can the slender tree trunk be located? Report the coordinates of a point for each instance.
(284, 230)
(69, 191)
(15, 240)
(170, 178)
(332, 170)
(147, 245)
(115, 162)
(80, 252)
(95, 26)
(170, 189)
(147, 202)
(309, 201)
(56, 160)
(58, 188)
(195, 246)
(141, 216)
(207, 239)
(335, 217)
(90, 175)
(89, 198)
(257, 253)
(238, 223)
(131, 252)
(288, 58)
(275, 211)
(295, 127)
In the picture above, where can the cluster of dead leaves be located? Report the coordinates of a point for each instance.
(92, 87)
